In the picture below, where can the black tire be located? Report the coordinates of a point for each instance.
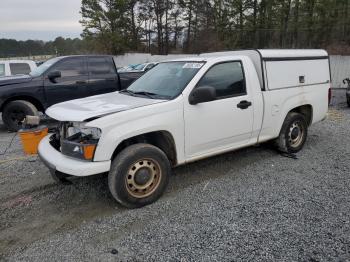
(60, 177)
(348, 101)
(288, 141)
(122, 180)
(15, 112)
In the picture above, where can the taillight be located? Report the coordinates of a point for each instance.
(329, 96)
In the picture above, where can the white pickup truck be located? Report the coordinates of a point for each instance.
(185, 110)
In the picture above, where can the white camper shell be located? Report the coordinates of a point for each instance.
(286, 68)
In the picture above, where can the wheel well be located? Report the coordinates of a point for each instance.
(305, 110)
(161, 139)
(30, 99)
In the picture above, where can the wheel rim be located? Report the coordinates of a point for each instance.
(296, 134)
(143, 178)
(17, 117)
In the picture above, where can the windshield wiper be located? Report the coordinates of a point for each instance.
(128, 92)
(148, 94)
(144, 93)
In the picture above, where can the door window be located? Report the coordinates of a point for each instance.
(71, 67)
(19, 68)
(227, 79)
(2, 69)
(100, 66)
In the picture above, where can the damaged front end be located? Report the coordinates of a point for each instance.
(75, 140)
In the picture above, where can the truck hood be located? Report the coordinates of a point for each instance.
(96, 106)
(12, 80)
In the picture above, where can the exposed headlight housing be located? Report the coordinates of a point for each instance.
(80, 127)
(79, 141)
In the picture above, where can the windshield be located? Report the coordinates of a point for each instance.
(166, 80)
(41, 69)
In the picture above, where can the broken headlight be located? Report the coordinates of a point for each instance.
(80, 141)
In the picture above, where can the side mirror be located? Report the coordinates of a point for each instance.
(202, 94)
(53, 75)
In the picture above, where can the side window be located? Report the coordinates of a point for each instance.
(71, 67)
(2, 69)
(227, 79)
(100, 66)
(19, 68)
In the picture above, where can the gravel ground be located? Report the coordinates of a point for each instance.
(252, 204)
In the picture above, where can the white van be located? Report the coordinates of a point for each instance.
(16, 67)
(185, 110)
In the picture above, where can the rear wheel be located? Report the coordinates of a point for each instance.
(139, 175)
(14, 113)
(293, 133)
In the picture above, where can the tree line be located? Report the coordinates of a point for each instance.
(194, 26)
(60, 46)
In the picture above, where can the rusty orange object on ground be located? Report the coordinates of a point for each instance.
(31, 138)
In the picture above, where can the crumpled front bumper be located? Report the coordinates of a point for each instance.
(56, 161)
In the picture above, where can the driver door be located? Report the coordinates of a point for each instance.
(71, 85)
(224, 123)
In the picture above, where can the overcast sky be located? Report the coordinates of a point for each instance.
(39, 19)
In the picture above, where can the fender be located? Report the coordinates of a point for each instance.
(278, 103)
(38, 103)
(130, 123)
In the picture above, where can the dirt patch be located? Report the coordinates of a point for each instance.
(41, 213)
(335, 115)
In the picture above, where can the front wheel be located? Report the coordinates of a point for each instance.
(15, 112)
(139, 175)
(293, 133)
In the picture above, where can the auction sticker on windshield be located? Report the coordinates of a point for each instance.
(193, 65)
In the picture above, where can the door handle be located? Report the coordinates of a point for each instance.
(244, 104)
(80, 82)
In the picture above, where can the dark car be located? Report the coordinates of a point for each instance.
(347, 81)
(128, 77)
(58, 80)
